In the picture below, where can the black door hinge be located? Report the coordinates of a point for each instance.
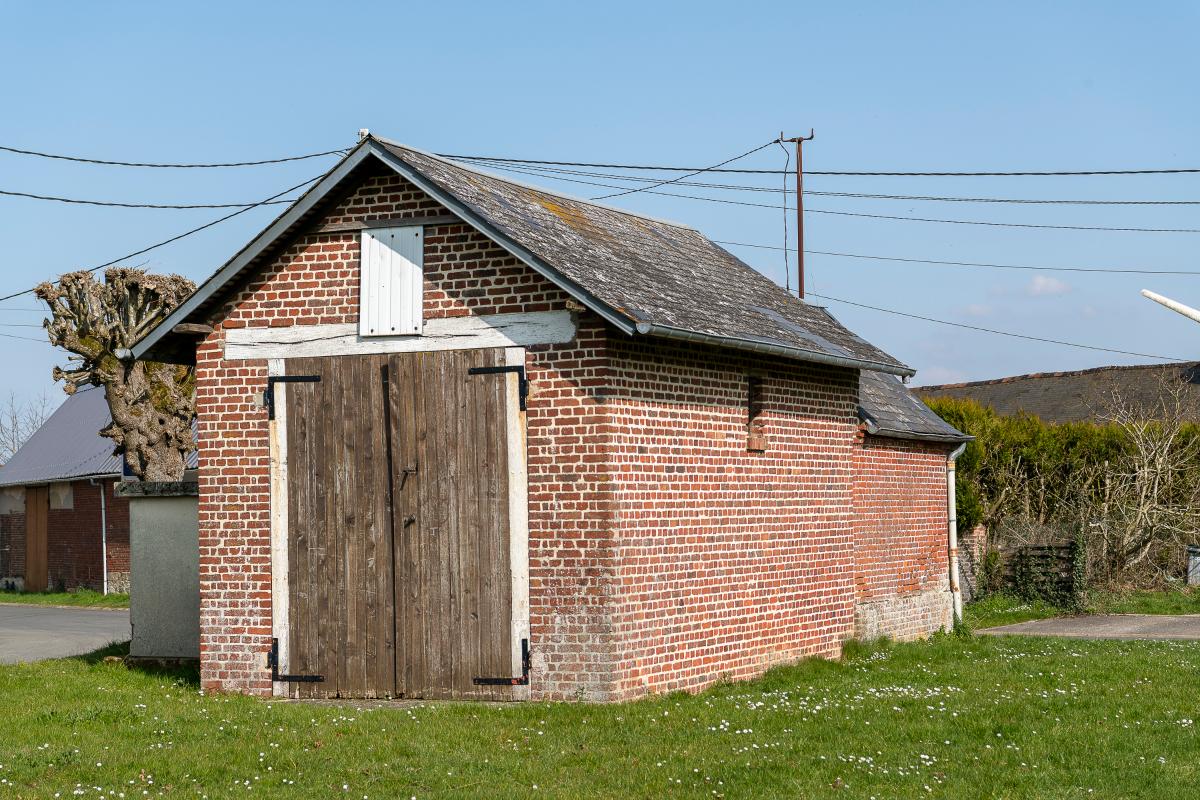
(273, 663)
(269, 392)
(523, 383)
(521, 681)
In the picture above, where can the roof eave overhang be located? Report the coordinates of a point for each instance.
(772, 348)
(887, 433)
(62, 479)
(157, 344)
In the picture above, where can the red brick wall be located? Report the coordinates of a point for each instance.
(901, 573)
(73, 540)
(313, 279)
(731, 561)
(662, 554)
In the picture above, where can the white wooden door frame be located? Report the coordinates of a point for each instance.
(518, 521)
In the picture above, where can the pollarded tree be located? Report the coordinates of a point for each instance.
(152, 404)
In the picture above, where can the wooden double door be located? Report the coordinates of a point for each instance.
(400, 471)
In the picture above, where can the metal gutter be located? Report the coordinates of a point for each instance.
(952, 532)
(65, 479)
(758, 346)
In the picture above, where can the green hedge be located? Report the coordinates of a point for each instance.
(1022, 463)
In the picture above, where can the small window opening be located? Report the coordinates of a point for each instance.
(756, 424)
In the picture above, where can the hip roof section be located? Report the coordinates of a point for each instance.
(887, 408)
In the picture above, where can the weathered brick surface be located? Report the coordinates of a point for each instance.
(73, 545)
(901, 571)
(663, 554)
(314, 280)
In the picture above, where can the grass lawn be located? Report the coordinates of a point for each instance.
(958, 717)
(79, 597)
(1006, 610)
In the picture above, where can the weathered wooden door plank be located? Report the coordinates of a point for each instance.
(37, 538)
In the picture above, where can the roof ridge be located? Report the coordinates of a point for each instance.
(532, 186)
(1059, 374)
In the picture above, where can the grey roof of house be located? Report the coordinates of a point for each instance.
(643, 275)
(1080, 395)
(68, 445)
(887, 408)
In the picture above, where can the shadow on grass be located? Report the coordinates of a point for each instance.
(118, 653)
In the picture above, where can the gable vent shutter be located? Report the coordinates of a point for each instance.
(392, 285)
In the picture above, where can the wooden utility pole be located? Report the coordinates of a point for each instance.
(799, 142)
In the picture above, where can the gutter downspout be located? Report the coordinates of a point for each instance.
(103, 534)
(952, 532)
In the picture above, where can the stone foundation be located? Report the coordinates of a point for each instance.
(118, 582)
(905, 617)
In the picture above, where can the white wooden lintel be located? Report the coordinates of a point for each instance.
(450, 333)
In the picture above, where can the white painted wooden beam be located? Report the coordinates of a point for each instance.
(451, 333)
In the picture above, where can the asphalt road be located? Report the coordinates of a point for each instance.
(32, 633)
(1107, 626)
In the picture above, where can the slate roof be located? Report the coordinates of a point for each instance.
(1076, 396)
(643, 275)
(69, 446)
(888, 408)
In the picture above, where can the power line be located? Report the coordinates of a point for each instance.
(551, 172)
(177, 237)
(26, 338)
(1025, 201)
(153, 165)
(19, 325)
(999, 174)
(687, 175)
(1112, 270)
(879, 216)
(993, 330)
(1004, 224)
(114, 204)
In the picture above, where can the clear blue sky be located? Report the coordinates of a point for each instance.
(946, 86)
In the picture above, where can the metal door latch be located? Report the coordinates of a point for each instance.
(269, 392)
(273, 663)
(523, 382)
(521, 681)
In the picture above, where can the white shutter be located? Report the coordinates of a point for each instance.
(392, 281)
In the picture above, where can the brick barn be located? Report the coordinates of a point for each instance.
(462, 437)
(61, 526)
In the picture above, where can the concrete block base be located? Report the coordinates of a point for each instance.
(164, 562)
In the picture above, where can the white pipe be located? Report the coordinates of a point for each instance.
(952, 532)
(103, 534)
(1174, 305)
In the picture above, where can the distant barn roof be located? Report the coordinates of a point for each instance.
(645, 276)
(888, 408)
(69, 446)
(1076, 396)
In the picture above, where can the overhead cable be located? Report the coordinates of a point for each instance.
(159, 165)
(1113, 270)
(876, 173)
(177, 237)
(687, 175)
(726, 201)
(993, 330)
(114, 204)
